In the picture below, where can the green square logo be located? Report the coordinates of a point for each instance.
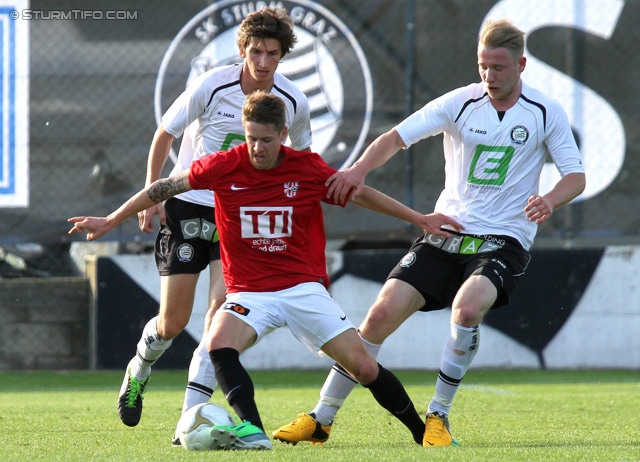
(490, 164)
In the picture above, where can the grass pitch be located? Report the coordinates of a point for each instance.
(497, 416)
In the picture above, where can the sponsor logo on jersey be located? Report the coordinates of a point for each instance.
(265, 223)
(489, 166)
(327, 64)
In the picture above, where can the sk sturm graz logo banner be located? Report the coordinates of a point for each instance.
(327, 64)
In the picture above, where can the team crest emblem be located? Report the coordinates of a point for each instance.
(185, 252)
(408, 260)
(327, 64)
(519, 134)
(291, 188)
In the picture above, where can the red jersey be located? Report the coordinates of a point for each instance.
(270, 222)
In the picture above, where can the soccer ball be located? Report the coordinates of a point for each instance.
(195, 424)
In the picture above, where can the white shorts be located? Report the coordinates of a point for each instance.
(307, 309)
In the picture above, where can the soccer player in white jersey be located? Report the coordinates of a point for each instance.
(497, 134)
(272, 246)
(208, 116)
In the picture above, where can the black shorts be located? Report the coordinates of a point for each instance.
(189, 240)
(437, 267)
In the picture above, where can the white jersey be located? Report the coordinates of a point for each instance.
(492, 166)
(208, 115)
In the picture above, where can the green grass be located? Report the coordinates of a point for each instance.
(497, 416)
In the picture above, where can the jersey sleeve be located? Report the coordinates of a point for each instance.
(560, 142)
(300, 130)
(186, 108)
(204, 172)
(433, 118)
(430, 120)
(323, 172)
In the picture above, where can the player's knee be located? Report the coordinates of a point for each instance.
(364, 370)
(214, 342)
(374, 326)
(170, 328)
(467, 315)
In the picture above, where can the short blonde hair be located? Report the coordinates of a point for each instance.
(502, 34)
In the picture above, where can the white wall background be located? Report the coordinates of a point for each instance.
(602, 332)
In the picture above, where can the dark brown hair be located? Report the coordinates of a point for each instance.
(268, 23)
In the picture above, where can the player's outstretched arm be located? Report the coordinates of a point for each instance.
(158, 155)
(158, 191)
(377, 201)
(351, 180)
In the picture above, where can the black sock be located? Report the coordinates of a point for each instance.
(391, 395)
(236, 384)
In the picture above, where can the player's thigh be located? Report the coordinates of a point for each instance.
(474, 299)
(229, 330)
(217, 288)
(177, 294)
(217, 291)
(396, 301)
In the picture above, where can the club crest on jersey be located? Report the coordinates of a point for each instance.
(519, 134)
(291, 188)
(326, 51)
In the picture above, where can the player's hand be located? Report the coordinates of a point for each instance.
(433, 222)
(94, 227)
(145, 218)
(343, 182)
(538, 209)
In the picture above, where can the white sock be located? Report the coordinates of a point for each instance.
(336, 388)
(457, 355)
(201, 380)
(149, 349)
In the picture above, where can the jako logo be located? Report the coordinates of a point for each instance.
(327, 63)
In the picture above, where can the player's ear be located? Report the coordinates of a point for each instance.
(242, 52)
(522, 63)
(283, 135)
